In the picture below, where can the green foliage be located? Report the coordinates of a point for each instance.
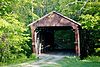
(90, 17)
(92, 8)
(5, 7)
(32, 56)
(93, 58)
(12, 38)
(97, 52)
(21, 58)
(90, 22)
(64, 39)
(15, 43)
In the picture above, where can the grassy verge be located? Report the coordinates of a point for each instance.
(20, 60)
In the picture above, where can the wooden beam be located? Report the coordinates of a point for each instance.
(77, 42)
(36, 44)
(33, 38)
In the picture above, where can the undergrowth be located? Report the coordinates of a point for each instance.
(21, 59)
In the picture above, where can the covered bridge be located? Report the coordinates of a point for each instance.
(48, 33)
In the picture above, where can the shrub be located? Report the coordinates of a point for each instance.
(33, 56)
(93, 58)
(97, 51)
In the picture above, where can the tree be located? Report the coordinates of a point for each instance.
(12, 37)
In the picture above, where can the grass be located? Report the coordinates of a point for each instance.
(75, 62)
(20, 60)
(20, 64)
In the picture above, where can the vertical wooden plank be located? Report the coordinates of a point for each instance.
(40, 45)
(36, 44)
(77, 42)
(33, 38)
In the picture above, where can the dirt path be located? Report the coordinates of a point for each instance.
(44, 59)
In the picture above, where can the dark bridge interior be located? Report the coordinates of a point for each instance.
(56, 39)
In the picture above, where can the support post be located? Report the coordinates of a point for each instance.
(77, 42)
(33, 39)
(36, 46)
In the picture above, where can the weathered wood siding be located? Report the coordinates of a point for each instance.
(56, 20)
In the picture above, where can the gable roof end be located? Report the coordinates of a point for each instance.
(57, 14)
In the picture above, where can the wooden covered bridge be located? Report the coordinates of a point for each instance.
(45, 32)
